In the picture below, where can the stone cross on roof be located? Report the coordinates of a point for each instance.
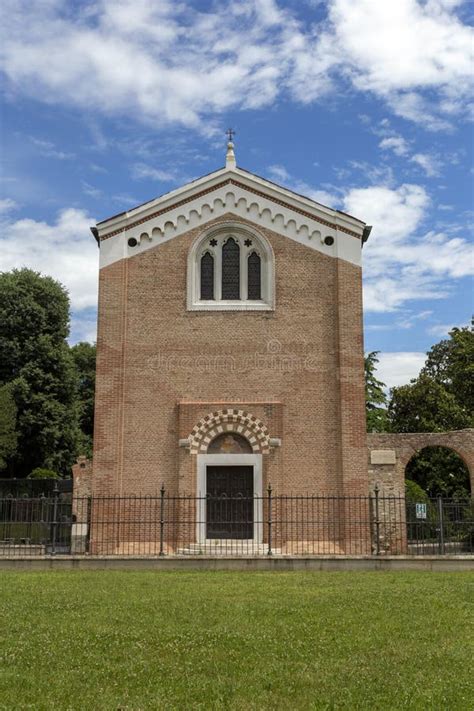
(230, 155)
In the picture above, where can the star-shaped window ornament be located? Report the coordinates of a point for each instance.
(248, 242)
(213, 242)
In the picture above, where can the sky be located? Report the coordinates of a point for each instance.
(362, 105)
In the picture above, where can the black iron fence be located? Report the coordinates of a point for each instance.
(273, 524)
(27, 488)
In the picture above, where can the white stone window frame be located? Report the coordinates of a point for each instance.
(239, 233)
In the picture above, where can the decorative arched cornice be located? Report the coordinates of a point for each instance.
(135, 237)
(240, 421)
(236, 184)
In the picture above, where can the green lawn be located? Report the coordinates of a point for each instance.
(144, 640)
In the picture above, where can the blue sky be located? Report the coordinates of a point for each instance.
(360, 104)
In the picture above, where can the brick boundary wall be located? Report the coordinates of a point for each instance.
(389, 454)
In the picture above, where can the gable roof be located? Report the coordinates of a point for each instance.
(245, 180)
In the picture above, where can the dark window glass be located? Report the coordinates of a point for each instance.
(254, 276)
(231, 270)
(207, 277)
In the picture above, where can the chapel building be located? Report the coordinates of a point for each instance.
(230, 344)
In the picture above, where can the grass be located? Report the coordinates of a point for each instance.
(217, 640)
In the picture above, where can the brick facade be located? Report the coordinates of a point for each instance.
(298, 369)
(288, 378)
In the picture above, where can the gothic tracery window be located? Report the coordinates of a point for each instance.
(207, 276)
(254, 276)
(230, 269)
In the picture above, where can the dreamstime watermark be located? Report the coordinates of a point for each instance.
(274, 358)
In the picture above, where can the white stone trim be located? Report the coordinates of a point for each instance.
(240, 233)
(240, 421)
(229, 460)
(245, 177)
(231, 198)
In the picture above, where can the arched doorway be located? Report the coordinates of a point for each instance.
(440, 513)
(438, 471)
(230, 490)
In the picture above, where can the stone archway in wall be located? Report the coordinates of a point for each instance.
(390, 453)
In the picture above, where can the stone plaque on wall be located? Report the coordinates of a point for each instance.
(382, 456)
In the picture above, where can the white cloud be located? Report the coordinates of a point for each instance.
(395, 143)
(428, 163)
(64, 250)
(442, 329)
(172, 62)
(90, 190)
(409, 320)
(49, 150)
(7, 205)
(394, 49)
(279, 174)
(393, 212)
(141, 171)
(403, 262)
(83, 327)
(396, 369)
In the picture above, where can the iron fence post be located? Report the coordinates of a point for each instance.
(162, 520)
(54, 523)
(440, 525)
(377, 520)
(88, 522)
(269, 519)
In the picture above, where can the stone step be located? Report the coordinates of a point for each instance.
(239, 547)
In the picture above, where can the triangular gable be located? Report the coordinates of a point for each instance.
(237, 191)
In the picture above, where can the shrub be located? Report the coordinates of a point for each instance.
(40, 473)
(414, 492)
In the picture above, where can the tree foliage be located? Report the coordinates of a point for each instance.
(451, 364)
(84, 356)
(8, 435)
(35, 360)
(375, 397)
(425, 405)
(440, 472)
(41, 473)
(414, 492)
(439, 400)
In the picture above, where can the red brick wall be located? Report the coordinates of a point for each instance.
(306, 355)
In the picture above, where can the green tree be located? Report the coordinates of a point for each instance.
(84, 355)
(431, 403)
(375, 398)
(451, 363)
(425, 406)
(440, 472)
(36, 360)
(8, 435)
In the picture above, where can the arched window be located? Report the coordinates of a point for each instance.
(230, 268)
(207, 277)
(254, 276)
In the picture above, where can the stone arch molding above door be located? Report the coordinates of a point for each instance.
(220, 421)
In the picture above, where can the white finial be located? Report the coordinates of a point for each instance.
(230, 155)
